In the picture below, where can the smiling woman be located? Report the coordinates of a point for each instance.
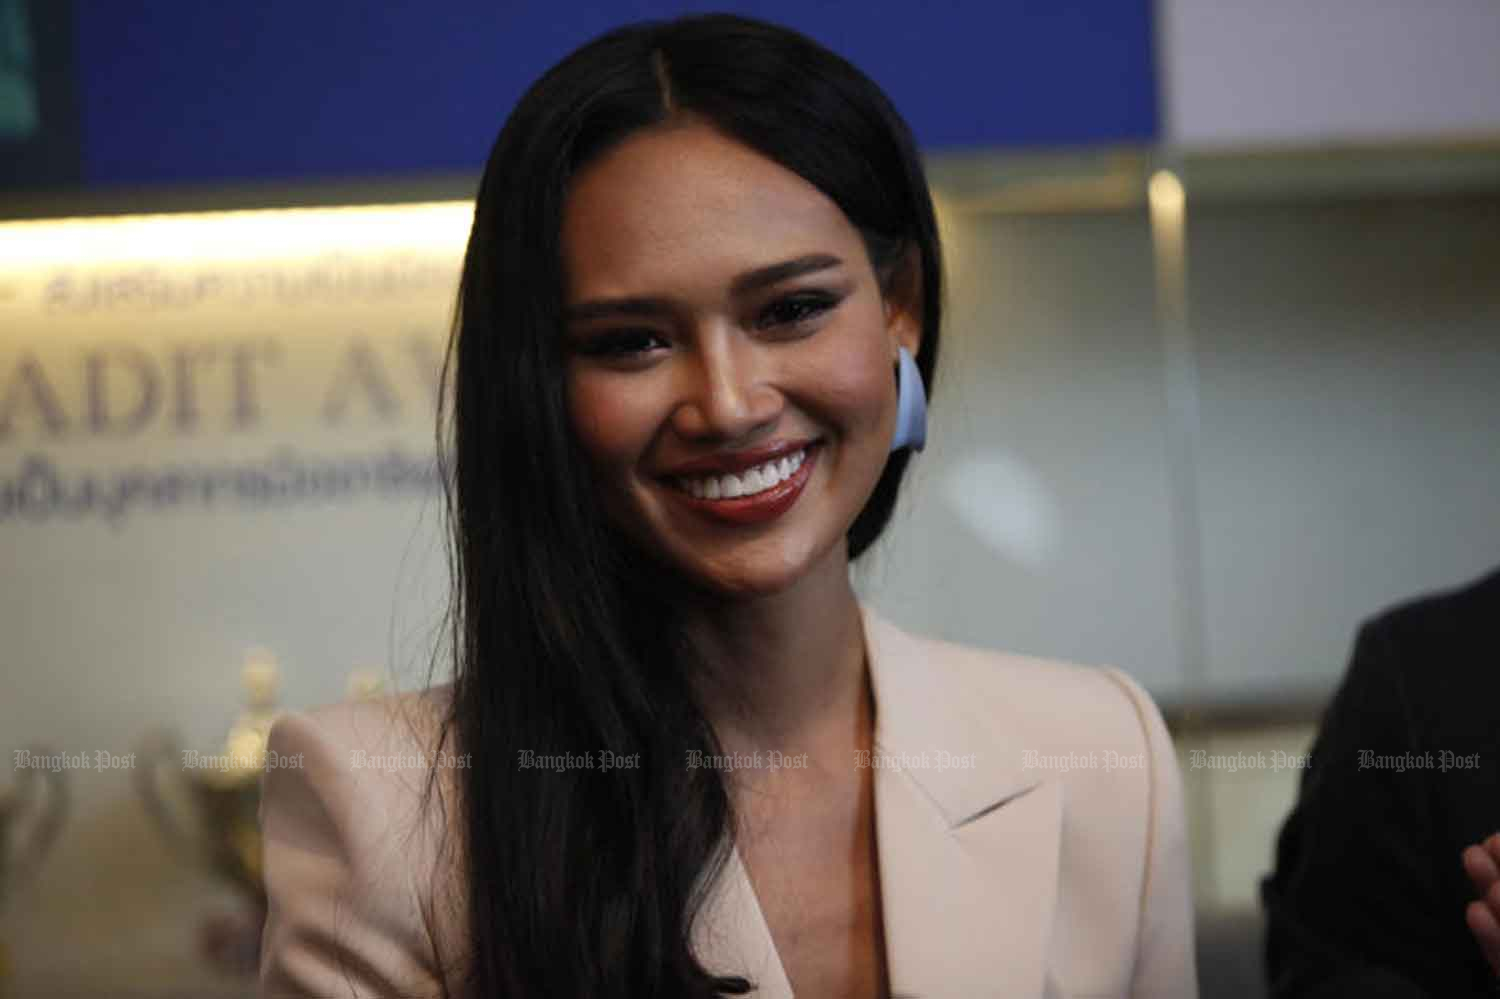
(776, 334)
(697, 327)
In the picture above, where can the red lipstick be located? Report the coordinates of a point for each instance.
(766, 505)
(734, 462)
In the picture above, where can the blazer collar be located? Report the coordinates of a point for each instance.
(967, 841)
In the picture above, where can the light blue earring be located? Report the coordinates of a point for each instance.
(911, 406)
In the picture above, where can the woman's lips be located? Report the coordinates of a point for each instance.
(759, 508)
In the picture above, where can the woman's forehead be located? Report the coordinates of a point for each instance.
(669, 203)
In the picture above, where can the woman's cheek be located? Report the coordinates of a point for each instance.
(857, 383)
(600, 419)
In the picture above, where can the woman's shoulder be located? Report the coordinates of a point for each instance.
(348, 762)
(1045, 700)
(403, 721)
(355, 854)
(366, 756)
(1086, 744)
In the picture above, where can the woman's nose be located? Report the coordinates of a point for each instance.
(725, 392)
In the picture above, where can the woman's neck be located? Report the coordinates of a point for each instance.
(786, 671)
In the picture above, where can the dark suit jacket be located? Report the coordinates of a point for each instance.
(1368, 893)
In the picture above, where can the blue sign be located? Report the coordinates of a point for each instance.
(183, 91)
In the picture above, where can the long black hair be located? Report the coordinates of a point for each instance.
(576, 881)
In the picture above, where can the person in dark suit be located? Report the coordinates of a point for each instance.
(1387, 870)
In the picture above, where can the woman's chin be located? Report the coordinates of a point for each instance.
(755, 573)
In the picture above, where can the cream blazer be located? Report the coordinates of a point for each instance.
(1029, 824)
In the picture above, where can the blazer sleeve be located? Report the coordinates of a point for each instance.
(1165, 963)
(343, 916)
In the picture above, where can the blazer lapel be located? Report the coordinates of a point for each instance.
(967, 842)
(967, 839)
(731, 936)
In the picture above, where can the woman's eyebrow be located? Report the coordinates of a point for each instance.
(750, 281)
(766, 276)
(649, 308)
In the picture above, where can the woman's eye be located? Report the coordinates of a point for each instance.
(626, 343)
(796, 309)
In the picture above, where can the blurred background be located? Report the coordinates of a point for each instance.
(1221, 379)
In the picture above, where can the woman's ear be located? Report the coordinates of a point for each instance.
(901, 290)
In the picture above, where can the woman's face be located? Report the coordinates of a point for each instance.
(717, 302)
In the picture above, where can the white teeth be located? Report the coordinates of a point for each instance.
(748, 483)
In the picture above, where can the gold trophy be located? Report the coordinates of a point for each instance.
(21, 856)
(224, 791)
